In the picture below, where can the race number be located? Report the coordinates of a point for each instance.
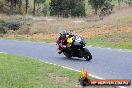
(78, 39)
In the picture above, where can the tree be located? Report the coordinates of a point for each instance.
(20, 6)
(55, 8)
(119, 3)
(106, 9)
(37, 2)
(12, 4)
(79, 9)
(101, 7)
(1, 7)
(45, 9)
(34, 8)
(66, 8)
(27, 5)
(96, 4)
(130, 3)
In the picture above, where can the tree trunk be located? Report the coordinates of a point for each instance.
(34, 9)
(96, 10)
(130, 3)
(11, 7)
(20, 6)
(27, 5)
(1, 7)
(119, 3)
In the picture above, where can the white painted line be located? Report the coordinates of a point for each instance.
(1, 52)
(93, 76)
(96, 77)
(121, 87)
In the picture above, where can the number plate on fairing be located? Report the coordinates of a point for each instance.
(78, 39)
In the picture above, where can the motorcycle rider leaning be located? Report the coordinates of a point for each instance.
(62, 40)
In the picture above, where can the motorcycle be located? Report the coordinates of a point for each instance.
(76, 48)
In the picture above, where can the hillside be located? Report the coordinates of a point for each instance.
(115, 30)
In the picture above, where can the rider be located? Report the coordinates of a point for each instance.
(62, 40)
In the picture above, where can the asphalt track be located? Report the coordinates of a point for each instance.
(106, 63)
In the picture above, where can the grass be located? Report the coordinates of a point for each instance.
(23, 38)
(22, 72)
(126, 20)
(118, 45)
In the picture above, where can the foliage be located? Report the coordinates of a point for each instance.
(129, 2)
(96, 4)
(40, 1)
(66, 8)
(101, 7)
(4, 26)
(27, 5)
(106, 8)
(45, 9)
(79, 10)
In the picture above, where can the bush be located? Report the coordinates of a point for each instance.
(107, 8)
(13, 26)
(2, 21)
(4, 26)
(24, 29)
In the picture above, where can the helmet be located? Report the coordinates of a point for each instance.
(64, 32)
(64, 35)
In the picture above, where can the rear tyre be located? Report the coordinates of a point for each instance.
(86, 54)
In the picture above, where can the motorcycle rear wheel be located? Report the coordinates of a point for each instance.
(67, 54)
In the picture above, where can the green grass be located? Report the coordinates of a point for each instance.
(22, 72)
(34, 40)
(119, 45)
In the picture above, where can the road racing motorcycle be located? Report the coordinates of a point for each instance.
(76, 48)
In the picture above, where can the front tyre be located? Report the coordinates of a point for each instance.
(86, 54)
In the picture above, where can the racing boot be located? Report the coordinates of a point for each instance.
(60, 51)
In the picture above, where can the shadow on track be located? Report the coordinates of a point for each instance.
(73, 59)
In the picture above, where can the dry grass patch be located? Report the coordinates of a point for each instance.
(57, 79)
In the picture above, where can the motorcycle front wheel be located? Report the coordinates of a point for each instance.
(86, 54)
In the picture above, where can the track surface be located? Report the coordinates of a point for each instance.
(106, 63)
